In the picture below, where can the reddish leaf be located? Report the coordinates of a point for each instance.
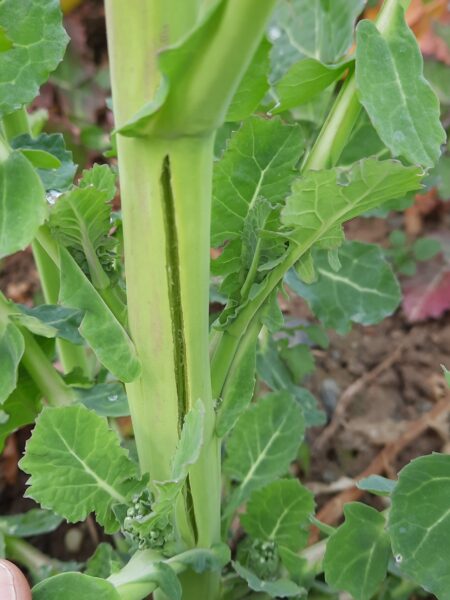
(427, 294)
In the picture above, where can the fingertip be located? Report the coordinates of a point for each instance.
(13, 583)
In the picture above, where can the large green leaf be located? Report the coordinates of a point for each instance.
(401, 104)
(23, 207)
(364, 290)
(253, 87)
(77, 466)
(317, 29)
(278, 588)
(81, 219)
(74, 586)
(279, 512)
(357, 554)
(99, 326)
(258, 162)
(304, 81)
(56, 180)
(315, 219)
(419, 522)
(262, 445)
(12, 347)
(38, 42)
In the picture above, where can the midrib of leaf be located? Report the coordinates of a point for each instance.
(262, 455)
(405, 105)
(367, 567)
(350, 283)
(428, 532)
(280, 518)
(101, 482)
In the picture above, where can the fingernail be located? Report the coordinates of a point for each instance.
(13, 584)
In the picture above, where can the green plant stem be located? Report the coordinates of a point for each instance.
(166, 193)
(16, 123)
(71, 355)
(336, 129)
(43, 373)
(27, 555)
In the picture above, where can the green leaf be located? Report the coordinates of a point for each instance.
(280, 588)
(81, 220)
(191, 441)
(259, 161)
(253, 87)
(419, 522)
(304, 81)
(51, 321)
(34, 27)
(103, 562)
(106, 399)
(238, 390)
(364, 141)
(77, 466)
(23, 204)
(58, 179)
(426, 248)
(73, 586)
(365, 289)
(316, 29)
(100, 177)
(21, 408)
(355, 190)
(33, 522)
(12, 347)
(401, 104)
(273, 370)
(357, 554)
(99, 326)
(280, 512)
(262, 445)
(41, 159)
(375, 484)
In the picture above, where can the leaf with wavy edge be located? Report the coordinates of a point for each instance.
(77, 466)
(38, 42)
